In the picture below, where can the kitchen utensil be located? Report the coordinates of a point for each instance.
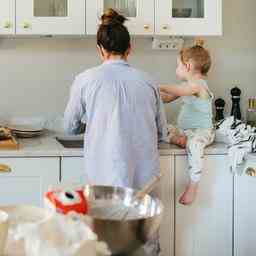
(25, 128)
(219, 105)
(4, 225)
(71, 141)
(122, 212)
(236, 111)
(27, 134)
(123, 236)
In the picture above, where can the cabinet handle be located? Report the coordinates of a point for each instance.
(251, 172)
(165, 27)
(25, 25)
(5, 168)
(7, 24)
(146, 27)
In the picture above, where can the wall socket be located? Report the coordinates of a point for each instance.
(168, 43)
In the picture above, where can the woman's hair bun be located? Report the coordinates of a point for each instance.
(199, 42)
(112, 17)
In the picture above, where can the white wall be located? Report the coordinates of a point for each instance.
(36, 74)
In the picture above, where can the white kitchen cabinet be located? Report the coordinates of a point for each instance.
(72, 170)
(45, 17)
(7, 17)
(188, 17)
(140, 14)
(165, 192)
(205, 227)
(25, 180)
(244, 215)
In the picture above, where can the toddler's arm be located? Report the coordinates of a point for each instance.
(187, 89)
(166, 96)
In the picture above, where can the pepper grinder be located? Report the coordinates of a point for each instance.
(236, 111)
(219, 106)
(236, 95)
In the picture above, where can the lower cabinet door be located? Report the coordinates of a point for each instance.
(205, 227)
(72, 170)
(25, 180)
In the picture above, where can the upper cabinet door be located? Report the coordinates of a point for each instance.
(44, 17)
(140, 14)
(7, 17)
(189, 17)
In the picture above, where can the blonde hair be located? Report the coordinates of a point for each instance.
(199, 55)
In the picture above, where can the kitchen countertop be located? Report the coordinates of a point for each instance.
(47, 146)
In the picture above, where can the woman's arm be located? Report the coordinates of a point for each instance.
(161, 120)
(187, 89)
(75, 110)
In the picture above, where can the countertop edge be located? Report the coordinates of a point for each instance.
(47, 146)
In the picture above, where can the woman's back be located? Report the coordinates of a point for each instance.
(122, 108)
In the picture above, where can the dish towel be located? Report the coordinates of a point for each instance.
(240, 138)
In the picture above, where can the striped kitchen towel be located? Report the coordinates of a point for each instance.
(240, 139)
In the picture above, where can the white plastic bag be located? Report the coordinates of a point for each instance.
(61, 236)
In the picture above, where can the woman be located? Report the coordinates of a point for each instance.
(123, 113)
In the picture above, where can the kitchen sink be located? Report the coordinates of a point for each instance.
(74, 141)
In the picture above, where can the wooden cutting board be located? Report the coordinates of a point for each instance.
(9, 144)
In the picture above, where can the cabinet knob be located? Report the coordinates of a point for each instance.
(251, 172)
(25, 25)
(146, 27)
(165, 27)
(5, 168)
(7, 24)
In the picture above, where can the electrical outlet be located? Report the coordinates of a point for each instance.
(173, 43)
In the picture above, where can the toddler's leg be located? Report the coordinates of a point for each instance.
(195, 150)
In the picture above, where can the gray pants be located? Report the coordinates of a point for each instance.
(197, 141)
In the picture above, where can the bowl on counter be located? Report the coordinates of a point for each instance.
(123, 236)
(181, 12)
(71, 141)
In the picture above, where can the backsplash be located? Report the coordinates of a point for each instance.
(36, 74)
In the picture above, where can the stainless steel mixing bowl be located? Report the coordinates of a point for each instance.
(124, 236)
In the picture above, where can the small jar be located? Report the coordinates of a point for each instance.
(251, 112)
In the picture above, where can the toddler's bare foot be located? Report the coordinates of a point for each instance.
(180, 141)
(189, 196)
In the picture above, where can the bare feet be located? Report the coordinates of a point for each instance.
(179, 141)
(189, 196)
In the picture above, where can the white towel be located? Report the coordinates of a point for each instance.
(240, 138)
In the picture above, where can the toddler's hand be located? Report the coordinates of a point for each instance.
(166, 98)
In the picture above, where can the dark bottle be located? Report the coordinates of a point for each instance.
(236, 111)
(236, 96)
(219, 106)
